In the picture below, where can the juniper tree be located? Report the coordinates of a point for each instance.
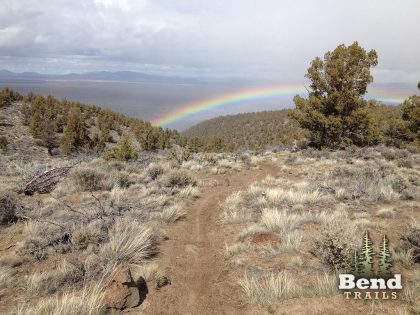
(7, 97)
(366, 257)
(385, 262)
(335, 112)
(124, 150)
(411, 115)
(75, 133)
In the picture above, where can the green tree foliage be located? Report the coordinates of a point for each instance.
(366, 257)
(75, 133)
(48, 117)
(411, 116)
(122, 151)
(355, 267)
(385, 262)
(335, 112)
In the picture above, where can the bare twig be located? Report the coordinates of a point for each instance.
(39, 220)
(68, 206)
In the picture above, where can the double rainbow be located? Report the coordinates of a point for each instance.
(252, 94)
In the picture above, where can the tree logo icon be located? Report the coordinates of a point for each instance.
(363, 261)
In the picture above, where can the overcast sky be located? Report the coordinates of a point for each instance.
(236, 38)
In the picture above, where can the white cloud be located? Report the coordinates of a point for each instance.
(225, 38)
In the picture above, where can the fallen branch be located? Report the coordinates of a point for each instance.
(45, 182)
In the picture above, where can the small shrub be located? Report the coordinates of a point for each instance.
(336, 245)
(178, 179)
(7, 207)
(405, 163)
(122, 151)
(93, 234)
(410, 242)
(154, 171)
(391, 154)
(88, 179)
(3, 142)
(123, 180)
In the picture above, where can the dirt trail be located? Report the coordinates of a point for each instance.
(202, 281)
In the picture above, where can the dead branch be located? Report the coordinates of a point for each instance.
(45, 182)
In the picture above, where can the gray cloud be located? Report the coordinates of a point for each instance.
(245, 38)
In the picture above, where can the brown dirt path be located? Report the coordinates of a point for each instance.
(202, 281)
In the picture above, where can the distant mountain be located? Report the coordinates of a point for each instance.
(119, 76)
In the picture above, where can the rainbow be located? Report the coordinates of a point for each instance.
(259, 93)
(386, 95)
(229, 99)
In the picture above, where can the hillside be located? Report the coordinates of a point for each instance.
(257, 130)
(67, 127)
(247, 131)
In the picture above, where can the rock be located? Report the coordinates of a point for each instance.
(123, 292)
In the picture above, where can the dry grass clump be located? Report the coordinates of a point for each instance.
(405, 257)
(411, 291)
(129, 242)
(269, 289)
(5, 276)
(371, 183)
(149, 272)
(88, 301)
(300, 194)
(244, 206)
(386, 213)
(189, 192)
(235, 249)
(69, 275)
(280, 221)
(42, 238)
(172, 214)
(289, 244)
(325, 285)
